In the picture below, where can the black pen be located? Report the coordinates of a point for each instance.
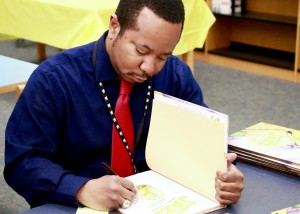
(108, 169)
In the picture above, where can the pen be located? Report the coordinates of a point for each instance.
(108, 169)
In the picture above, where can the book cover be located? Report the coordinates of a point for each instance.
(228, 7)
(289, 210)
(269, 145)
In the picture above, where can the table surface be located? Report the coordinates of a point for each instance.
(265, 191)
(14, 72)
(69, 23)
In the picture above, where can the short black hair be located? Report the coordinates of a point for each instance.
(128, 10)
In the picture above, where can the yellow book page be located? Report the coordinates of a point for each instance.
(158, 194)
(186, 147)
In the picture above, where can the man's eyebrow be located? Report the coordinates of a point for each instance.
(151, 50)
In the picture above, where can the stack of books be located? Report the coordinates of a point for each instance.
(289, 210)
(268, 145)
(227, 6)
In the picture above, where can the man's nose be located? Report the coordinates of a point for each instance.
(148, 66)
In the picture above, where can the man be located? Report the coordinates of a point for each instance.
(61, 128)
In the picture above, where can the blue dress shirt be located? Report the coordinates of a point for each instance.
(60, 129)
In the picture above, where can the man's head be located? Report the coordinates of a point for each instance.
(142, 35)
(128, 10)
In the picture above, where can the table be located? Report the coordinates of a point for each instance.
(69, 23)
(265, 191)
(14, 72)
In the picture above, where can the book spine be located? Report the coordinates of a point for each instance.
(237, 6)
(228, 7)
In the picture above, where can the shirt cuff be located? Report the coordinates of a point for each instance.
(68, 188)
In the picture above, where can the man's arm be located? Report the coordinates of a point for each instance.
(31, 149)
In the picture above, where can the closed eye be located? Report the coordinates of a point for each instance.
(163, 58)
(140, 52)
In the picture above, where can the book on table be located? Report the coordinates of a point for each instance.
(295, 209)
(268, 145)
(186, 145)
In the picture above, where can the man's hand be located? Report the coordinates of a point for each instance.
(106, 193)
(229, 184)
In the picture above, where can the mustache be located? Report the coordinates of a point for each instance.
(144, 75)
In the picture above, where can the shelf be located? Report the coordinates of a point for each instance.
(256, 54)
(264, 17)
(264, 39)
(200, 49)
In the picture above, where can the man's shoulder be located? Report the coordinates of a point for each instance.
(174, 67)
(175, 60)
(65, 66)
(78, 56)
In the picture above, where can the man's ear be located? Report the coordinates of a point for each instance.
(114, 26)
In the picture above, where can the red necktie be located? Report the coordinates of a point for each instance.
(120, 159)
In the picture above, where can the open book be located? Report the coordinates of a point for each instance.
(186, 145)
(268, 145)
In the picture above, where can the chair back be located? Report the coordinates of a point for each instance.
(19, 89)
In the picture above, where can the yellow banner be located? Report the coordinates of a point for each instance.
(70, 23)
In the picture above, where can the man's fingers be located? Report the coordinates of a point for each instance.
(128, 184)
(228, 193)
(229, 185)
(230, 176)
(226, 198)
(233, 185)
(129, 191)
(231, 157)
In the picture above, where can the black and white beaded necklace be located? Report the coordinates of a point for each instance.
(113, 117)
